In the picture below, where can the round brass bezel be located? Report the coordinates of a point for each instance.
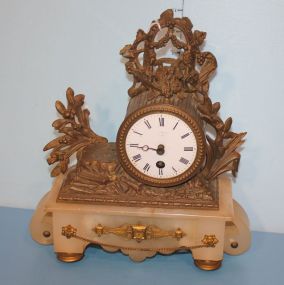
(160, 182)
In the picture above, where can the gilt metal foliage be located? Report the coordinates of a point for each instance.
(158, 77)
(76, 130)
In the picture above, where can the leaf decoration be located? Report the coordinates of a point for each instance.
(60, 108)
(216, 107)
(211, 151)
(55, 171)
(230, 159)
(222, 155)
(59, 123)
(228, 124)
(76, 129)
(168, 76)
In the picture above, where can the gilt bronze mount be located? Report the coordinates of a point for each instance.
(180, 83)
(138, 232)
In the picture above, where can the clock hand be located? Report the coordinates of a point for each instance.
(160, 150)
(146, 147)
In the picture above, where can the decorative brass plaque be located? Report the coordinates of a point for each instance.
(138, 232)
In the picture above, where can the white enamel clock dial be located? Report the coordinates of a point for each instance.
(160, 146)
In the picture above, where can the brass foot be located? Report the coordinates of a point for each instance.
(69, 257)
(208, 264)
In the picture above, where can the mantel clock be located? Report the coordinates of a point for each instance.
(164, 185)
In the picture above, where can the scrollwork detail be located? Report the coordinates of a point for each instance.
(169, 76)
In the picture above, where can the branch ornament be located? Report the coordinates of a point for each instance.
(169, 76)
(221, 152)
(76, 130)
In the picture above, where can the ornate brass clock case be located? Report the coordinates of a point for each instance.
(174, 199)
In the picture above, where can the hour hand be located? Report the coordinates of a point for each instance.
(160, 150)
(144, 147)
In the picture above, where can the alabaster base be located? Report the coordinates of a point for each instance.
(143, 232)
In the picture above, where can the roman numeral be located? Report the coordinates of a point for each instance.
(137, 133)
(185, 135)
(174, 169)
(162, 122)
(183, 160)
(188, 148)
(146, 167)
(175, 125)
(133, 144)
(160, 171)
(147, 124)
(136, 157)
